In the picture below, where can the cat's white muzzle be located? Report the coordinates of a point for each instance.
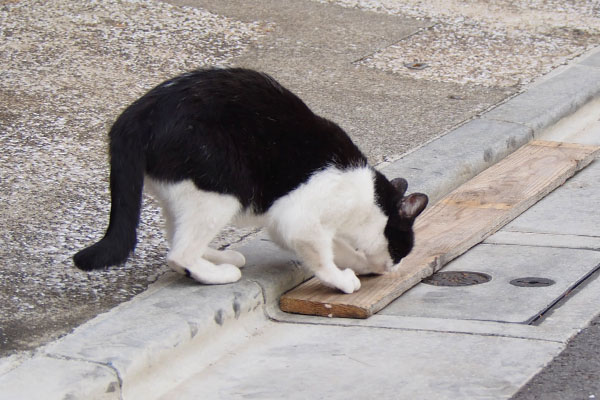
(380, 264)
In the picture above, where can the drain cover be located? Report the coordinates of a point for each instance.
(532, 282)
(416, 65)
(457, 278)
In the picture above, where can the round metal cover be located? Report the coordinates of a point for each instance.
(532, 282)
(416, 65)
(457, 278)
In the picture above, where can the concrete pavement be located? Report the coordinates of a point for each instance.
(178, 335)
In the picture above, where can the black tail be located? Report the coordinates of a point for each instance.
(127, 161)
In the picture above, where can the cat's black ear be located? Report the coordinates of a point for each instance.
(400, 184)
(411, 206)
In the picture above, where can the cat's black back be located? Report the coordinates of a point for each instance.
(238, 132)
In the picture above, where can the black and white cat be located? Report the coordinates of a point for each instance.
(222, 145)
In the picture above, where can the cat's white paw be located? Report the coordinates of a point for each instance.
(351, 282)
(206, 272)
(345, 280)
(215, 274)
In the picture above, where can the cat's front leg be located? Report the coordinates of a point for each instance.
(348, 257)
(318, 256)
(344, 280)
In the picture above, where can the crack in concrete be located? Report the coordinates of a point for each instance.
(240, 239)
(408, 36)
(98, 363)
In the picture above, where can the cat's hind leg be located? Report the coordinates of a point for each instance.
(196, 217)
(215, 256)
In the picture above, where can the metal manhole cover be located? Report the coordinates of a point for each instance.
(532, 282)
(457, 278)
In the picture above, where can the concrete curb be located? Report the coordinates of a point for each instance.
(464, 152)
(175, 318)
(117, 354)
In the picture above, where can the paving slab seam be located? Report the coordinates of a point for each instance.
(548, 240)
(550, 246)
(346, 323)
(552, 234)
(417, 32)
(433, 324)
(456, 332)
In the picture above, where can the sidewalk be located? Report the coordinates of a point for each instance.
(182, 340)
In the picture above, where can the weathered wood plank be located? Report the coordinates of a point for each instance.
(456, 223)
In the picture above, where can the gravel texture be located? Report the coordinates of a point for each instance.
(497, 43)
(68, 68)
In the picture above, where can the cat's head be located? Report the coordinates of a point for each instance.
(399, 227)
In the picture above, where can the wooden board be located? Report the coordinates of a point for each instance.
(456, 223)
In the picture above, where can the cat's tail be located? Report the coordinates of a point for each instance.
(127, 165)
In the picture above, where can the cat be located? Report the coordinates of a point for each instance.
(222, 145)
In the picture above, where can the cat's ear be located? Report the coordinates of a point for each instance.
(400, 184)
(411, 206)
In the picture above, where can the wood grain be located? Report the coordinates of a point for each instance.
(456, 223)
